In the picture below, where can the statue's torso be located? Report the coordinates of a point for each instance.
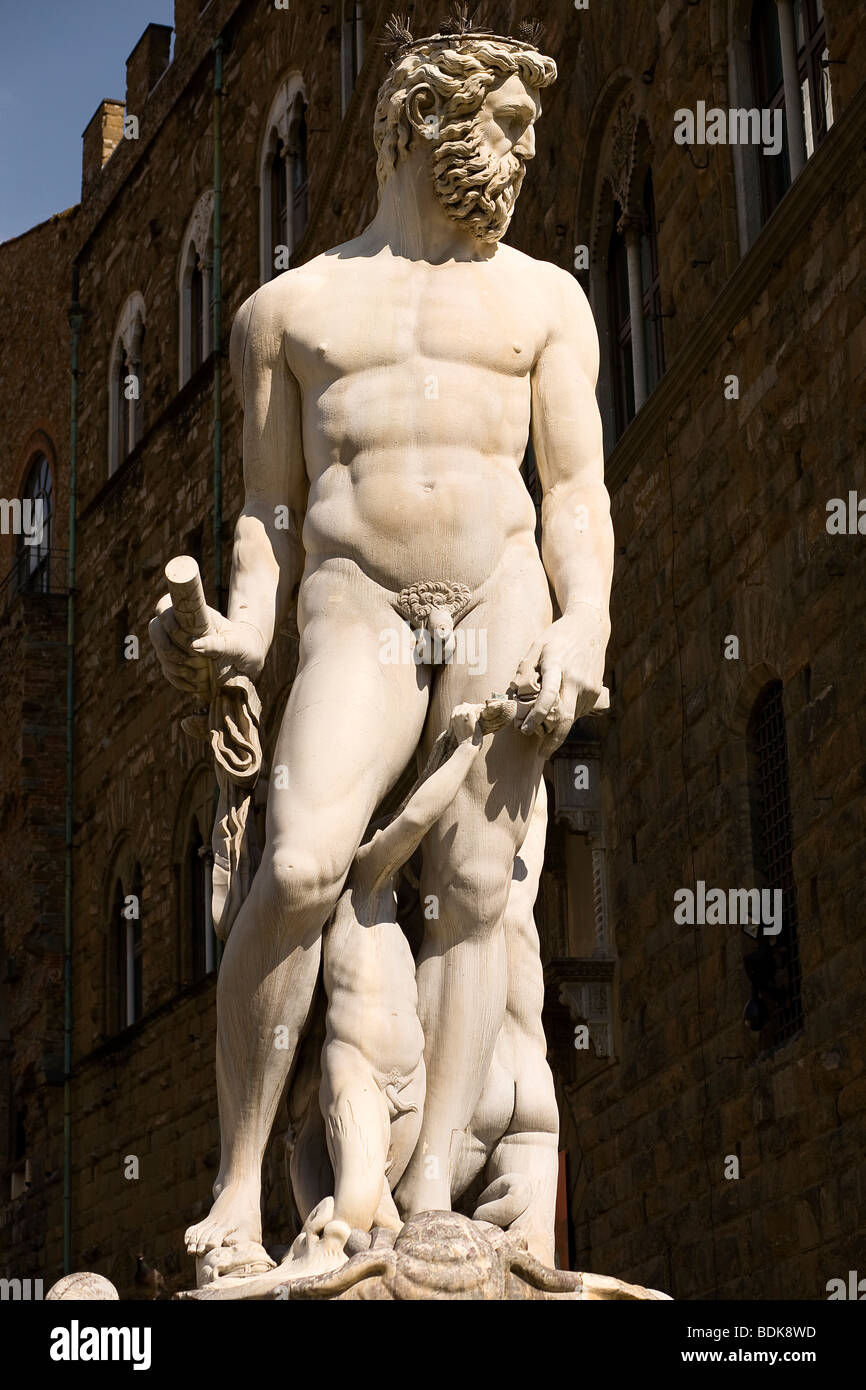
(415, 386)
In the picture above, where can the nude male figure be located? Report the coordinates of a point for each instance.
(388, 389)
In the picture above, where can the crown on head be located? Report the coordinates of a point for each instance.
(457, 29)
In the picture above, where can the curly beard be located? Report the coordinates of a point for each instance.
(476, 189)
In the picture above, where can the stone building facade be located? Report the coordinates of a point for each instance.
(712, 1081)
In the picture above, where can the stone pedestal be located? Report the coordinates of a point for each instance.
(437, 1255)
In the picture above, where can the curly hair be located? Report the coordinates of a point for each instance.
(460, 75)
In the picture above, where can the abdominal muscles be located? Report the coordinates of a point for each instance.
(448, 515)
(414, 470)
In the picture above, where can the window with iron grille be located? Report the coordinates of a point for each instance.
(775, 967)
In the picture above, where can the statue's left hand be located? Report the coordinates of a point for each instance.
(568, 660)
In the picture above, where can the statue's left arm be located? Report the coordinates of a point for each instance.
(576, 530)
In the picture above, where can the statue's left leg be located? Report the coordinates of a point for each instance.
(527, 1153)
(468, 862)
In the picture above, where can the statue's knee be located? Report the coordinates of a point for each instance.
(476, 896)
(300, 881)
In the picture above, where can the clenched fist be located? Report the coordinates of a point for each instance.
(197, 665)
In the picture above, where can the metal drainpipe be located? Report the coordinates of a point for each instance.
(217, 322)
(75, 319)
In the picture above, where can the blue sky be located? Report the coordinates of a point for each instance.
(58, 60)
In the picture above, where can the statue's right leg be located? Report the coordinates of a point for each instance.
(352, 722)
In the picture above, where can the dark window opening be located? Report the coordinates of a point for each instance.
(126, 944)
(770, 96)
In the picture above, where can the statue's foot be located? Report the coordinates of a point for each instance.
(320, 1247)
(312, 1254)
(234, 1219)
(233, 1261)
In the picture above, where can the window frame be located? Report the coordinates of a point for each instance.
(34, 576)
(125, 418)
(195, 269)
(124, 1003)
(279, 140)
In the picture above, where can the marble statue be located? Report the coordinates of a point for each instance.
(389, 387)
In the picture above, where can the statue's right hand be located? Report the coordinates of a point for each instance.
(466, 723)
(195, 664)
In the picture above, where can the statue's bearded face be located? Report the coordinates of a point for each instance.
(479, 163)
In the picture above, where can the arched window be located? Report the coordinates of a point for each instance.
(195, 289)
(790, 74)
(125, 945)
(774, 967)
(618, 227)
(33, 559)
(351, 49)
(283, 177)
(124, 383)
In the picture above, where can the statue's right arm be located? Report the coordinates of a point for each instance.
(267, 558)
